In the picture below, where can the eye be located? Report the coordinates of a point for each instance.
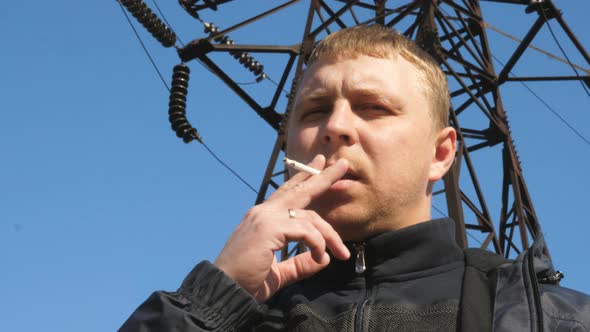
(312, 114)
(377, 107)
(374, 108)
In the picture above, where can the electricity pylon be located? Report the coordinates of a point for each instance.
(455, 33)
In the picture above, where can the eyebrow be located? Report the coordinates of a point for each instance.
(364, 92)
(318, 96)
(323, 96)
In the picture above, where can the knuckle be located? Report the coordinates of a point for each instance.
(255, 217)
(252, 212)
(301, 187)
(309, 227)
(283, 188)
(319, 221)
(315, 236)
(323, 176)
(325, 179)
(298, 187)
(314, 215)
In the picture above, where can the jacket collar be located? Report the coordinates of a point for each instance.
(418, 250)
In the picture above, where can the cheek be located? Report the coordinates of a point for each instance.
(402, 150)
(300, 142)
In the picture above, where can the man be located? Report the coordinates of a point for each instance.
(371, 113)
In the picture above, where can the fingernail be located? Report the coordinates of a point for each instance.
(346, 253)
(326, 258)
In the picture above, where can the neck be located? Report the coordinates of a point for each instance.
(384, 222)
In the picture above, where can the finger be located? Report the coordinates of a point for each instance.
(301, 229)
(333, 240)
(317, 162)
(300, 267)
(304, 192)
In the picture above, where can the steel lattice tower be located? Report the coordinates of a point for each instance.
(455, 34)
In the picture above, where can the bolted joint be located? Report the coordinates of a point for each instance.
(474, 26)
(195, 49)
(543, 8)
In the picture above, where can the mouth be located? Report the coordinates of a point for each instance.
(350, 176)
(348, 181)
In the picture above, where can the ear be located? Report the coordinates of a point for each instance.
(444, 153)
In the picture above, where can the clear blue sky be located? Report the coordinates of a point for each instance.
(100, 204)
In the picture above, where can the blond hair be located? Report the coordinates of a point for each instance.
(382, 42)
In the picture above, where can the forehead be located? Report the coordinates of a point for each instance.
(389, 76)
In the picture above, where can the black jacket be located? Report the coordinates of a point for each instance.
(416, 279)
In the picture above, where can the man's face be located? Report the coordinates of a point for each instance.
(369, 111)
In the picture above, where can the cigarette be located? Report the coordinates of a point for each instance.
(300, 167)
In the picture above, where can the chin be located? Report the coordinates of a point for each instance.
(349, 221)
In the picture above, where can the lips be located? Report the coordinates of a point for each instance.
(348, 181)
(350, 176)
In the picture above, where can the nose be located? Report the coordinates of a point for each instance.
(339, 128)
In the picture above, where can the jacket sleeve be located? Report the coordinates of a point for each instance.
(207, 300)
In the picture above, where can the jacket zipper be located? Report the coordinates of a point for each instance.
(535, 287)
(360, 267)
(360, 312)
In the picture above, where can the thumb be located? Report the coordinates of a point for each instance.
(301, 267)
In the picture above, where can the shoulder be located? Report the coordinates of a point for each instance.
(483, 260)
(564, 307)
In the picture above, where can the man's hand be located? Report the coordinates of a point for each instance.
(249, 255)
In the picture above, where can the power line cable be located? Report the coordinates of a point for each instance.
(533, 47)
(165, 20)
(562, 119)
(246, 83)
(265, 76)
(466, 232)
(275, 83)
(168, 88)
(582, 137)
(144, 48)
(563, 52)
(229, 168)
